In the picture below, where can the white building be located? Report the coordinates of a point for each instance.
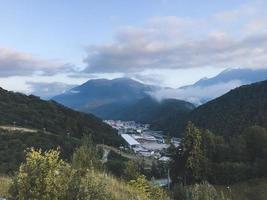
(130, 140)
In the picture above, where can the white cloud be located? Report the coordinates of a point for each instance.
(172, 42)
(14, 63)
(196, 94)
(48, 90)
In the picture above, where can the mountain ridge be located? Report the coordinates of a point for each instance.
(234, 111)
(30, 111)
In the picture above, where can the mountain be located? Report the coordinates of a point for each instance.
(245, 76)
(162, 115)
(127, 99)
(32, 112)
(207, 89)
(233, 112)
(103, 97)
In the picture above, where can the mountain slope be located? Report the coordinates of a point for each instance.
(238, 109)
(167, 115)
(207, 89)
(126, 99)
(30, 111)
(245, 76)
(102, 96)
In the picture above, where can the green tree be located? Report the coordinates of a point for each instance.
(147, 191)
(131, 171)
(86, 156)
(256, 142)
(189, 160)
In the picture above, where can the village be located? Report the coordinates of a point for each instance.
(143, 141)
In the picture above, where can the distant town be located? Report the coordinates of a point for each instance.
(142, 140)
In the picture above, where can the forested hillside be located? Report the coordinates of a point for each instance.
(13, 145)
(29, 111)
(233, 112)
(168, 115)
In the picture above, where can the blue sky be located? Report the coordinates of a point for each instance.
(60, 29)
(170, 42)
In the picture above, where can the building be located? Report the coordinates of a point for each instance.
(130, 140)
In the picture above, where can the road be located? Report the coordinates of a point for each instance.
(148, 161)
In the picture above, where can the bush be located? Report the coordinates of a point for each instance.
(5, 183)
(147, 191)
(46, 177)
(203, 191)
(43, 176)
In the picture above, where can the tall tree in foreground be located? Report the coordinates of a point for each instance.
(189, 159)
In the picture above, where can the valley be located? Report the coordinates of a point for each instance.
(143, 141)
(133, 100)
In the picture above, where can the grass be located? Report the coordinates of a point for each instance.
(5, 183)
(118, 189)
(255, 189)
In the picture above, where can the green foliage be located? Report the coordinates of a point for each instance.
(116, 164)
(256, 142)
(86, 156)
(13, 145)
(159, 169)
(43, 176)
(132, 170)
(190, 157)
(5, 183)
(169, 115)
(218, 160)
(93, 186)
(116, 167)
(202, 191)
(32, 112)
(232, 113)
(191, 146)
(255, 189)
(115, 156)
(147, 191)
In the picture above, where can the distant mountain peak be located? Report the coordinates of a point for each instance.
(104, 94)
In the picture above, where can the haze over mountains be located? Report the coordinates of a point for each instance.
(164, 108)
(103, 97)
(110, 98)
(235, 111)
(207, 89)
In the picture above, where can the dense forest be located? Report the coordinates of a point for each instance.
(14, 143)
(205, 156)
(32, 112)
(227, 141)
(232, 113)
(160, 114)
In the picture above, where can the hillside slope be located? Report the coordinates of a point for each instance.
(231, 113)
(168, 115)
(30, 111)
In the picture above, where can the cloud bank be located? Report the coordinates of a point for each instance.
(196, 94)
(48, 90)
(236, 37)
(15, 63)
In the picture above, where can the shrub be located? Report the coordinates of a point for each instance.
(43, 176)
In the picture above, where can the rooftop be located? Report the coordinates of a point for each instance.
(129, 139)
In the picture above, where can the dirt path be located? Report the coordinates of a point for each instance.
(148, 161)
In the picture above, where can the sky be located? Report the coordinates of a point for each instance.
(49, 46)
